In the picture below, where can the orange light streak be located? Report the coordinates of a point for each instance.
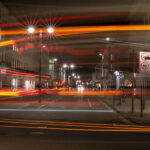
(62, 31)
(5, 43)
(75, 125)
(9, 93)
(82, 29)
(105, 93)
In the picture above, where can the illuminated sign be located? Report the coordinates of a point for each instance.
(3, 70)
(144, 62)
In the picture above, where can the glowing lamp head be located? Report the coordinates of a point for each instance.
(65, 66)
(107, 38)
(116, 73)
(55, 59)
(50, 30)
(72, 66)
(31, 30)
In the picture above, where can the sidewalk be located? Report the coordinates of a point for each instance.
(125, 109)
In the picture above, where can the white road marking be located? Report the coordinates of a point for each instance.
(56, 110)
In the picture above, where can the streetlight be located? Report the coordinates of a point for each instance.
(55, 59)
(107, 38)
(31, 30)
(78, 77)
(117, 74)
(64, 65)
(67, 70)
(102, 63)
(50, 30)
(72, 66)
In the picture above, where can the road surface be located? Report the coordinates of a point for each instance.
(65, 122)
(59, 108)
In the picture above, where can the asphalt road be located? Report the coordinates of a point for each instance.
(59, 108)
(65, 122)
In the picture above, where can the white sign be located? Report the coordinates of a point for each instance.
(144, 63)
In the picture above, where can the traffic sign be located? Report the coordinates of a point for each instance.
(144, 62)
(144, 66)
(143, 55)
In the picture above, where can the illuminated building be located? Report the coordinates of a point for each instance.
(21, 70)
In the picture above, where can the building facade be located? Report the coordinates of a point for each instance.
(22, 65)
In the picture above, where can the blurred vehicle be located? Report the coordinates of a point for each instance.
(80, 88)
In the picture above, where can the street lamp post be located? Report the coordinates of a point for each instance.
(31, 30)
(40, 69)
(67, 69)
(102, 63)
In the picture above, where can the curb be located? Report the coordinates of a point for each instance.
(123, 118)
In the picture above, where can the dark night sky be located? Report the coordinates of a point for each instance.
(20, 8)
(70, 2)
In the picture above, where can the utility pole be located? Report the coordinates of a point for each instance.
(133, 80)
(0, 34)
(40, 68)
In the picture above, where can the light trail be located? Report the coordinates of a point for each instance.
(88, 16)
(5, 43)
(82, 29)
(62, 31)
(73, 129)
(93, 103)
(17, 92)
(16, 73)
(69, 127)
(9, 93)
(74, 125)
(13, 42)
(55, 110)
(33, 92)
(104, 93)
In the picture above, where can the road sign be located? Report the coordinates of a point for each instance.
(144, 55)
(144, 66)
(147, 58)
(144, 62)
